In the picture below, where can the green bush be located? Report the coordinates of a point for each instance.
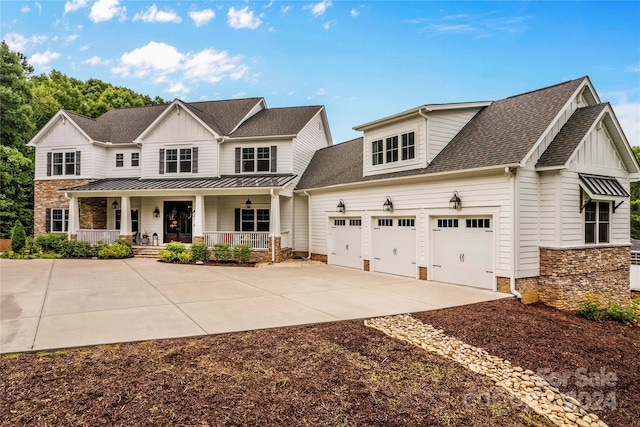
(200, 252)
(620, 313)
(589, 308)
(18, 237)
(184, 257)
(222, 252)
(116, 250)
(242, 253)
(75, 249)
(50, 242)
(176, 247)
(165, 255)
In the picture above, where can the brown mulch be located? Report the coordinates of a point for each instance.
(339, 373)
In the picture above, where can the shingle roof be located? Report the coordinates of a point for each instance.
(125, 124)
(223, 116)
(500, 134)
(228, 181)
(277, 121)
(567, 140)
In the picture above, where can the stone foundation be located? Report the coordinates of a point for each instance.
(422, 273)
(197, 239)
(300, 254)
(319, 257)
(261, 256)
(567, 276)
(527, 287)
(503, 285)
(365, 265)
(46, 195)
(127, 237)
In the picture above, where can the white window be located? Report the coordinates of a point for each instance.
(59, 220)
(478, 223)
(256, 159)
(135, 159)
(254, 220)
(408, 146)
(392, 149)
(355, 222)
(63, 163)
(248, 160)
(119, 160)
(178, 160)
(596, 222)
(339, 222)
(377, 152)
(264, 160)
(185, 160)
(406, 222)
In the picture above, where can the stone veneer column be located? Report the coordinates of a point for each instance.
(568, 275)
(422, 273)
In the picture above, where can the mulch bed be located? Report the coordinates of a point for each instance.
(339, 373)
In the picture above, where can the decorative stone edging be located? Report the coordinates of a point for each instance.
(534, 391)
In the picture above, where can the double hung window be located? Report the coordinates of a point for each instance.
(408, 146)
(119, 160)
(377, 151)
(64, 163)
(135, 159)
(178, 160)
(254, 220)
(59, 220)
(392, 149)
(596, 222)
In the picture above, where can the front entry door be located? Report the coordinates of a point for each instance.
(177, 222)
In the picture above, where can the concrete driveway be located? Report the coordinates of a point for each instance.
(49, 304)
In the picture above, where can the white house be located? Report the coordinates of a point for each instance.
(220, 171)
(528, 194)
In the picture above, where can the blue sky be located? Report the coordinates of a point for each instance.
(362, 60)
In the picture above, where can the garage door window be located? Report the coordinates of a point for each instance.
(447, 223)
(406, 222)
(355, 222)
(385, 222)
(478, 223)
(339, 222)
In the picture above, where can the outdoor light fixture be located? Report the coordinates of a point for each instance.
(455, 202)
(248, 203)
(115, 204)
(156, 212)
(340, 208)
(388, 205)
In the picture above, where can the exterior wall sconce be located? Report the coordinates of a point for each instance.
(156, 212)
(115, 205)
(248, 203)
(388, 205)
(340, 208)
(455, 202)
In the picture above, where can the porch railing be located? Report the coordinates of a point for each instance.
(258, 240)
(95, 236)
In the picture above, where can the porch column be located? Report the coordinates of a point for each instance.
(125, 218)
(274, 226)
(74, 219)
(198, 229)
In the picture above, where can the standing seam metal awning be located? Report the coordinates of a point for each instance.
(602, 187)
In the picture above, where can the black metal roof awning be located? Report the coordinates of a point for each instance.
(223, 182)
(602, 187)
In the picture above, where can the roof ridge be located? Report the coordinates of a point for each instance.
(546, 87)
(221, 100)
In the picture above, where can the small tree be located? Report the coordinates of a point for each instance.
(18, 237)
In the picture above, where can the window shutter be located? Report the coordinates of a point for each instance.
(194, 160)
(274, 158)
(78, 162)
(237, 219)
(238, 159)
(161, 164)
(48, 164)
(47, 222)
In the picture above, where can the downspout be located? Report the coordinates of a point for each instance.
(308, 222)
(514, 228)
(273, 234)
(423, 112)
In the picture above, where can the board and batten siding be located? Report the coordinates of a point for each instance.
(550, 198)
(442, 126)
(65, 137)
(528, 241)
(126, 171)
(487, 195)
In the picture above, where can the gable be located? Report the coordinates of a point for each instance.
(597, 151)
(177, 125)
(61, 133)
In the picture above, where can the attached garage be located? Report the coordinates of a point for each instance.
(345, 242)
(462, 251)
(394, 246)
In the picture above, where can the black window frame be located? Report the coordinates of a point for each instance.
(597, 222)
(119, 160)
(135, 160)
(377, 152)
(391, 149)
(62, 219)
(408, 146)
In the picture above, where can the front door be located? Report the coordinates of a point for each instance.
(177, 221)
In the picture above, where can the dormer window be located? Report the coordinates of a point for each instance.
(393, 149)
(408, 146)
(377, 152)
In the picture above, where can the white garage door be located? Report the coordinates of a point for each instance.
(462, 251)
(345, 242)
(394, 246)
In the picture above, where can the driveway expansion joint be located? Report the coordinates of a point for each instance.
(534, 391)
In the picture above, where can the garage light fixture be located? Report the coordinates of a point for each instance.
(388, 205)
(156, 212)
(115, 205)
(455, 202)
(340, 208)
(248, 203)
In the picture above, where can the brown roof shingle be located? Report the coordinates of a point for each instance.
(277, 121)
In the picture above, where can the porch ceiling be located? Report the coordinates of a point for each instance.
(223, 182)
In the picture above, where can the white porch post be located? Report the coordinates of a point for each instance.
(274, 226)
(198, 229)
(125, 218)
(74, 219)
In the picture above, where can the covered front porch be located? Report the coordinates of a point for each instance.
(261, 217)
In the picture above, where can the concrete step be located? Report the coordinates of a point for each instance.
(146, 251)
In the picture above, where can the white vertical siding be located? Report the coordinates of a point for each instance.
(597, 151)
(528, 219)
(443, 126)
(550, 229)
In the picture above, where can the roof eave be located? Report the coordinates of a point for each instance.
(53, 122)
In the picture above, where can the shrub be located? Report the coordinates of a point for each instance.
(116, 250)
(222, 252)
(50, 242)
(620, 313)
(200, 252)
(176, 247)
(184, 257)
(242, 253)
(18, 237)
(75, 249)
(165, 255)
(589, 308)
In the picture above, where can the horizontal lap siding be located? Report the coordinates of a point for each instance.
(301, 223)
(228, 154)
(126, 171)
(549, 212)
(311, 138)
(528, 225)
(417, 126)
(443, 126)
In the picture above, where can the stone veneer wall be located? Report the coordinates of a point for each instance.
(319, 257)
(568, 275)
(422, 273)
(46, 195)
(93, 213)
(366, 265)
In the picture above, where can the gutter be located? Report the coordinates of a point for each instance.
(514, 228)
(308, 221)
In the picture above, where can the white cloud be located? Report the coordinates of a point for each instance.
(25, 9)
(177, 89)
(17, 42)
(633, 69)
(269, 5)
(43, 59)
(166, 64)
(628, 114)
(319, 92)
(154, 15)
(73, 5)
(105, 10)
(95, 60)
(243, 18)
(354, 13)
(70, 38)
(241, 94)
(84, 48)
(285, 9)
(318, 9)
(202, 17)
(327, 25)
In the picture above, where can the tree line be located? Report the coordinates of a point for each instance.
(27, 103)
